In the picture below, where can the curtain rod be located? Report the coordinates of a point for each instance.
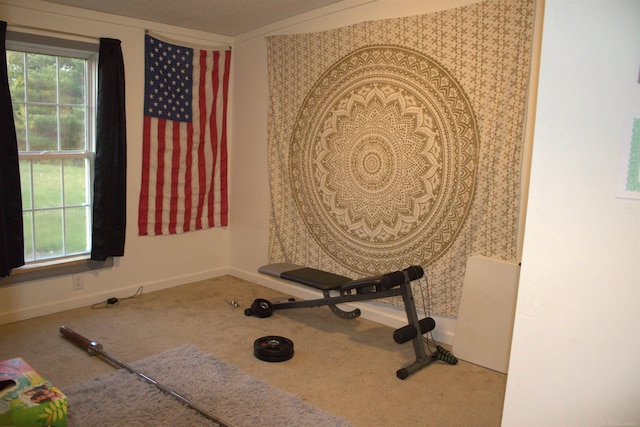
(28, 27)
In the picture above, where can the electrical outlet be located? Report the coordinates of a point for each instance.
(78, 282)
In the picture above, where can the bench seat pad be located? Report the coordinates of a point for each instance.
(312, 277)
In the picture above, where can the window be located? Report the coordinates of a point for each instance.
(52, 91)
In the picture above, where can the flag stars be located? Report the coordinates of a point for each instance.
(168, 77)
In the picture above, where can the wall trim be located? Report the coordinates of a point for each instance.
(93, 298)
(380, 312)
(376, 311)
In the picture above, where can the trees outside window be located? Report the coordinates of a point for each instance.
(52, 92)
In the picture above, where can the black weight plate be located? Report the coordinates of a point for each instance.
(273, 348)
(262, 308)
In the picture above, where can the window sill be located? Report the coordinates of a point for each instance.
(54, 268)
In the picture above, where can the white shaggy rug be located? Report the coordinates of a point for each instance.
(123, 399)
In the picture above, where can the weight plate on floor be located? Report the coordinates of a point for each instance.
(273, 348)
(262, 308)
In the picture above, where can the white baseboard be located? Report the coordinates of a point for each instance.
(57, 306)
(380, 312)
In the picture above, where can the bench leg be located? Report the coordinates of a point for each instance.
(422, 359)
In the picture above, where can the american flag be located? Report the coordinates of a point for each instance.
(184, 159)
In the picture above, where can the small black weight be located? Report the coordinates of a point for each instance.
(262, 308)
(273, 348)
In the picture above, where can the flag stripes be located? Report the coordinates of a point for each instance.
(184, 165)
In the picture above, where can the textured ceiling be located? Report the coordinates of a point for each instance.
(224, 17)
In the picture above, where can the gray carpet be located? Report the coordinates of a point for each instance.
(122, 398)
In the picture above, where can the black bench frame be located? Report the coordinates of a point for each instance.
(338, 289)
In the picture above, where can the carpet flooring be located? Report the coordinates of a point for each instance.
(345, 367)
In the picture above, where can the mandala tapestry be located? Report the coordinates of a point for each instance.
(398, 142)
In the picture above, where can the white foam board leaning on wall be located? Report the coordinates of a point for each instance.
(485, 318)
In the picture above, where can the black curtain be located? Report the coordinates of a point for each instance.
(11, 226)
(110, 185)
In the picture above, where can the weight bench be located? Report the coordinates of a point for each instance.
(337, 289)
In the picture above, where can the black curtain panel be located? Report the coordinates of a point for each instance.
(110, 185)
(11, 226)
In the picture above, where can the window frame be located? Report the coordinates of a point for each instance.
(54, 46)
